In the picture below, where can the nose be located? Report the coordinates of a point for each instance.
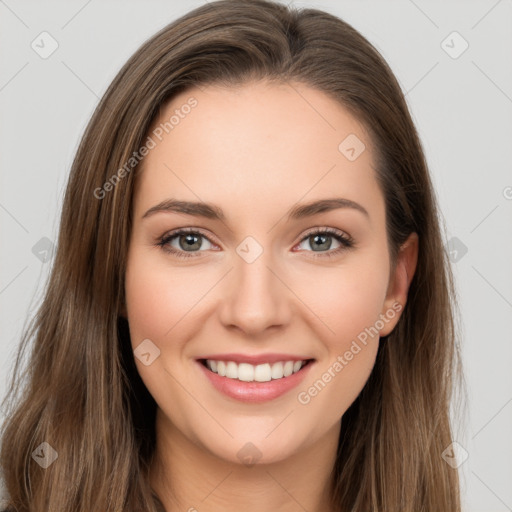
(255, 297)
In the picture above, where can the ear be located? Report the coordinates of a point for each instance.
(399, 282)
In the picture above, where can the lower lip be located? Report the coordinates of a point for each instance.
(256, 392)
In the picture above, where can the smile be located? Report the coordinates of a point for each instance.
(254, 379)
(247, 372)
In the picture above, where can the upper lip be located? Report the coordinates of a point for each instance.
(255, 359)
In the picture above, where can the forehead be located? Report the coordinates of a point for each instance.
(259, 143)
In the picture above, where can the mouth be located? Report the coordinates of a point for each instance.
(255, 383)
(247, 372)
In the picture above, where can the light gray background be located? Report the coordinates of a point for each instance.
(462, 108)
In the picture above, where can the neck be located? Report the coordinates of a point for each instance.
(186, 477)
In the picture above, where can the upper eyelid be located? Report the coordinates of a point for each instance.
(326, 229)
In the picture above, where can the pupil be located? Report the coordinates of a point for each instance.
(189, 240)
(322, 241)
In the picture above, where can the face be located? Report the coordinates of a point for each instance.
(258, 285)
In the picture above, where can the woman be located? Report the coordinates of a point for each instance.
(191, 352)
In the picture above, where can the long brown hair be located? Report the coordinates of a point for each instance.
(83, 395)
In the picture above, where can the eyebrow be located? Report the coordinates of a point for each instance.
(211, 211)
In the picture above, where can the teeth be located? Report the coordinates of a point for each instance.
(244, 372)
(231, 370)
(221, 368)
(262, 373)
(288, 368)
(249, 373)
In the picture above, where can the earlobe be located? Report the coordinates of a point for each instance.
(400, 281)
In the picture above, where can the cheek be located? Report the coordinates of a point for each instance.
(161, 304)
(348, 299)
(159, 298)
(349, 303)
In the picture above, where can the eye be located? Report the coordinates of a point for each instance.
(320, 241)
(187, 242)
(184, 242)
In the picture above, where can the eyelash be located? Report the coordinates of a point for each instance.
(346, 242)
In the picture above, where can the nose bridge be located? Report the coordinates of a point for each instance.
(257, 299)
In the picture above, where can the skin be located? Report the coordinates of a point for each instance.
(256, 151)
